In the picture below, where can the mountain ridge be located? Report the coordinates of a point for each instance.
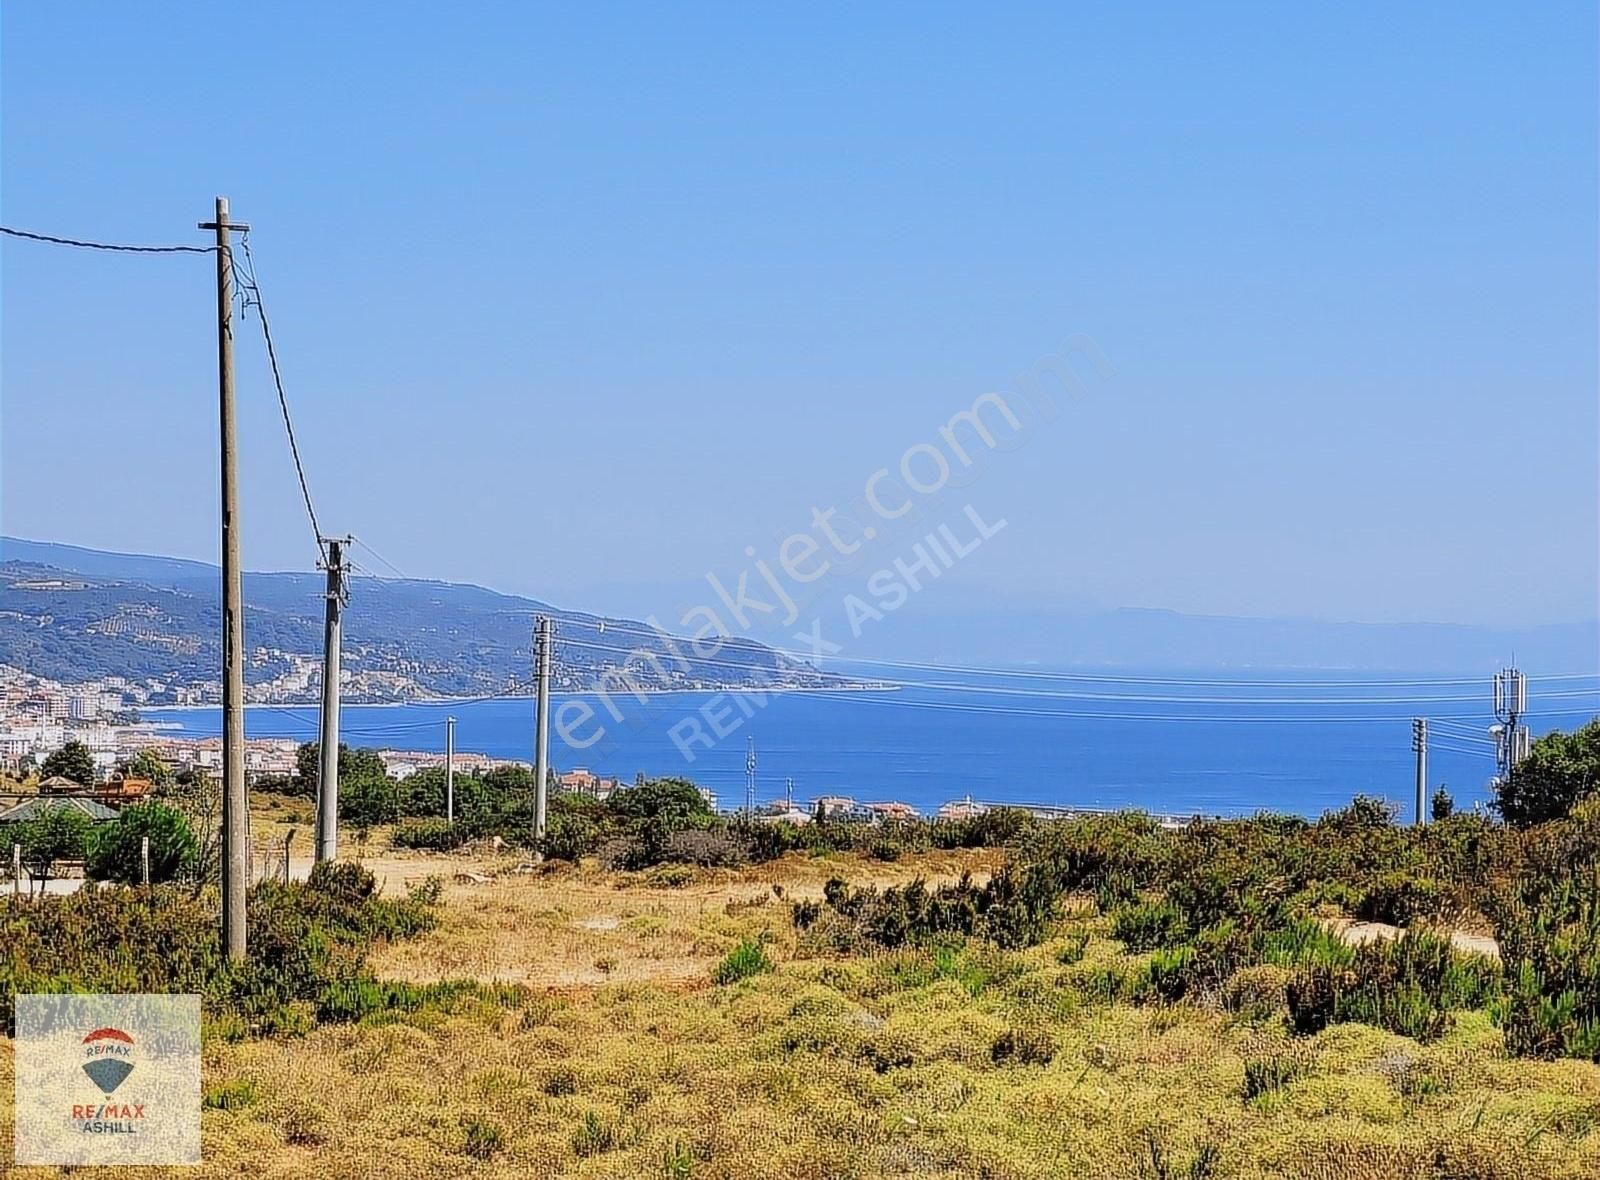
(144, 618)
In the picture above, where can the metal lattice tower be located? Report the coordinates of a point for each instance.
(750, 777)
(1510, 705)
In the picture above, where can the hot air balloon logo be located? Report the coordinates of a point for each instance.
(108, 1065)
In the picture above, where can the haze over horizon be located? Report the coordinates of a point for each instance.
(585, 309)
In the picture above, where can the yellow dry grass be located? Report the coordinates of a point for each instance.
(861, 1067)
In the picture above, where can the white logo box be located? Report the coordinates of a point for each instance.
(107, 1079)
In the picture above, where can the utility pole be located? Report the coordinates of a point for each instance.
(1510, 704)
(1419, 747)
(750, 776)
(449, 770)
(235, 797)
(541, 742)
(328, 749)
(788, 794)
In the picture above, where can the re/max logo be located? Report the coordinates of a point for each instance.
(127, 1110)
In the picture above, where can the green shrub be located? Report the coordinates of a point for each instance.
(1148, 925)
(428, 835)
(594, 1136)
(308, 946)
(669, 876)
(234, 1094)
(1263, 1075)
(1073, 945)
(50, 837)
(483, 1140)
(1408, 986)
(1168, 976)
(747, 959)
(1401, 898)
(1547, 920)
(115, 852)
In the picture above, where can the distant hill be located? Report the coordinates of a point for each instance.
(74, 615)
(1134, 638)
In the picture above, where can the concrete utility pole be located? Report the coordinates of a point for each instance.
(1419, 747)
(541, 743)
(449, 770)
(235, 797)
(328, 747)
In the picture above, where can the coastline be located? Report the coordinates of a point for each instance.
(742, 689)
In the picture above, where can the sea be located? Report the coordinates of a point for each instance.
(1177, 742)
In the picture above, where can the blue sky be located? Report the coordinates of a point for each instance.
(582, 301)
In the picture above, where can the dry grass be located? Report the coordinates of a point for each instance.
(861, 1067)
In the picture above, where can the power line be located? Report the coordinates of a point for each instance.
(623, 628)
(384, 561)
(251, 295)
(1128, 697)
(109, 246)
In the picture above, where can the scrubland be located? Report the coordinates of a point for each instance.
(595, 1043)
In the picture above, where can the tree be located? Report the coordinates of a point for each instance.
(1443, 805)
(116, 851)
(147, 764)
(198, 798)
(353, 763)
(53, 835)
(368, 799)
(1560, 769)
(674, 802)
(73, 761)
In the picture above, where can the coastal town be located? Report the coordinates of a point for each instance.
(39, 716)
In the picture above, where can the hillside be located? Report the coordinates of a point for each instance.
(76, 615)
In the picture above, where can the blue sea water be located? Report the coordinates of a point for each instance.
(1182, 742)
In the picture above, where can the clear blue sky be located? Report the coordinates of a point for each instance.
(699, 268)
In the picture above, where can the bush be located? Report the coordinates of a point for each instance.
(1401, 898)
(235, 1094)
(1408, 986)
(1024, 1045)
(308, 947)
(747, 959)
(707, 849)
(428, 835)
(1256, 993)
(1073, 945)
(571, 834)
(484, 1140)
(625, 852)
(1263, 1075)
(1148, 925)
(593, 1137)
(1547, 920)
(1168, 976)
(115, 852)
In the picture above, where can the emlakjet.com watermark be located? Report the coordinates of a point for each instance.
(861, 558)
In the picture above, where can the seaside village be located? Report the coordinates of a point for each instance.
(39, 717)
